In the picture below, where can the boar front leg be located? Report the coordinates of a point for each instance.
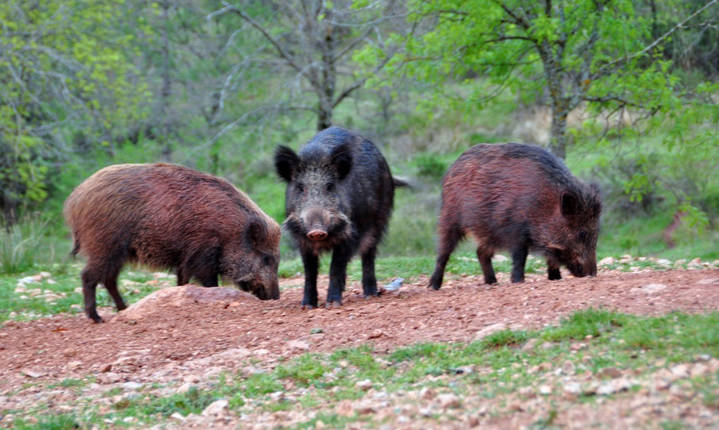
(311, 262)
(369, 281)
(338, 274)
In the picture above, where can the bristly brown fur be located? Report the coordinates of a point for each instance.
(520, 198)
(170, 217)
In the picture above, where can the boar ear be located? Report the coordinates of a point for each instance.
(286, 162)
(570, 205)
(342, 160)
(255, 232)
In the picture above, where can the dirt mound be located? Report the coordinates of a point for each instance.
(218, 327)
(181, 297)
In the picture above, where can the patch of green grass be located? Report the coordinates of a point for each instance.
(579, 325)
(260, 384)
(505, 338)
(193, 401)
(49, 422)
(306, 370)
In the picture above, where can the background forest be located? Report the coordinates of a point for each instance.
(625, 91)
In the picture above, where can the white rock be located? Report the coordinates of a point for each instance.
(499, 258)
(606, 261)
(664, 262)
(650, 288)
(131, 386)
(299, 345)
(545, 390)
(573, 387)
(449, 400)
(216, 408)
(184, 388)
(486, 331)
(364, 385)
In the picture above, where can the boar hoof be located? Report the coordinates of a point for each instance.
(334, 304)
(308, 306)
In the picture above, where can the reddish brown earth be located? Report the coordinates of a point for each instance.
(174, 336)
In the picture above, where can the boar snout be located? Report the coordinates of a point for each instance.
(317, 234)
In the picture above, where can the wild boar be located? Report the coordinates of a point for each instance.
(519, 198)
(339, 198)
(170, 217)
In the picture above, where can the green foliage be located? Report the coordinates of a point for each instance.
(19, 245)
(63, 69)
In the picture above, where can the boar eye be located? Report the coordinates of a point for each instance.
(267, 260)
(582, 236)
(300, 187)
(331, 186)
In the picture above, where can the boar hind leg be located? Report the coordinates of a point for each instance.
(448, 240)
(182, 276)
(90, 280)
(485, 260)
(519, 258)
(369, 281)
(310, 262)
(553, 272)
(110, 283)
(338, 274)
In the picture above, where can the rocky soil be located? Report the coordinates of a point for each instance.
(189, 337)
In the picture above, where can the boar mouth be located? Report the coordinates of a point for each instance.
(576, 270)
(258, 290)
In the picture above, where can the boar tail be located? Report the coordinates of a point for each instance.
(399, 182)
(75, 248)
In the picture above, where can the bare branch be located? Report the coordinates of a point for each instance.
(619, 61)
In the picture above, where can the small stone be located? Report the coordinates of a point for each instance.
(448, 400)
(486, 331)
(610, 372)
(298, 345)
(531, 343)
(364, 408)
(177, 416)
(573, 387)
(106, 368)
(216, 408)
(680, 371)
(427, 393)
(375, 334)
(545, 390)
(606, 261)
(184, 388)
(568, 367)
(131, 386)
(74, 365)
(32, 373)
(364, 385)
(344, 408)
(651, 288)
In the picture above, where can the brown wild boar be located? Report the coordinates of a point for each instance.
(520, 198)
(170, 217)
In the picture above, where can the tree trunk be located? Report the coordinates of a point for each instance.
(326, 94)
(558, 131)
(166, 90)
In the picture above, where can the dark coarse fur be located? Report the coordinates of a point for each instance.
(171, 217)
(339, 197)
(520, 198)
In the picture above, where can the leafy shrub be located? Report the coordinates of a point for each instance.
(19, 245)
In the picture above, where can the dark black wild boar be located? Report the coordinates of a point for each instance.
(339, 198)
(170, 217)
(520, 198)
